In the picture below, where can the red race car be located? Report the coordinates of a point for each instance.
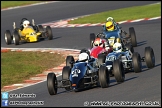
(100, 50)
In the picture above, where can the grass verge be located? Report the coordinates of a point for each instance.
(6, 4)
(19, 66)
(132, 13)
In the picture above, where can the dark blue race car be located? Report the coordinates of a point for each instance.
(78, 75)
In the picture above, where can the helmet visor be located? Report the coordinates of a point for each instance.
(109, 27)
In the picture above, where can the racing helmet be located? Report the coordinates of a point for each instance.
(117, 47)
(110, 26)
(83, 57)
(26, 23)
(118, 40)
(98, 42)
(110, 19)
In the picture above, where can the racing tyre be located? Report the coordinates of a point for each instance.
(118, 71)
(92, 38)
(16, 37)
(49, 33)
(65, 76)
(8, 37)
(133, 36)
(40, 28)
(68, 60)
(101, 59)
(149, 57)
(136, 60)
(104, 78)
(52, 83)
(130, 47)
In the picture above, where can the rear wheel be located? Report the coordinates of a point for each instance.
(136, 60)
(16, 37)
(133, 36)
(130, 47)
(40, 28)
(101, 59)
(65, 76)
(8, 37)
(52, 83)
(118, 71)
(92, 38)
(104, 78)
(68, 60)
(49, 33)
(149, 57)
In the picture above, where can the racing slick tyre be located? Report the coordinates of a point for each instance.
(40, 28)
(101, 59)
(133, 36)
(16, 37)
(49, 33)
(130, 47)
(104, 78)
(149, 57)
(8, 37)
(92, 38)
(68, 60)
(52, 83)
(65, 76)
(118, 71)
(136, 60)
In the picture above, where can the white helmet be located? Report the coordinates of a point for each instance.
(110, 19)
(26, 23)
(83, 57)
(117, 47)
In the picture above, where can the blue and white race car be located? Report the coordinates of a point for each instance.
(122, 61)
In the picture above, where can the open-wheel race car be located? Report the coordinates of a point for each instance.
(112, 36)
(127, 60)
(80, 74)
(29, 33)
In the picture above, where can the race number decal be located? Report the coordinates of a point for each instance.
(111, 41)
(75, 73)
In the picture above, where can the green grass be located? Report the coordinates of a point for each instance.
(6, 4)
(19, 66)
(131, 13)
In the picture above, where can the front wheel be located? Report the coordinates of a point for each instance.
(118, 71)
(104, 78)
(52, 83)
(16, 37)
(149, 57)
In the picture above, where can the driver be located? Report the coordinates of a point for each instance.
(102, 43)
(110, 26)
(117, 47)
(83, 57)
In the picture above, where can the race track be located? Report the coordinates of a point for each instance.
(144, 86)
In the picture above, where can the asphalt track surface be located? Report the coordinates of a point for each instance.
(144, 86)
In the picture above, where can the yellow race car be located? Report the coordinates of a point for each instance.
(32, 33)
